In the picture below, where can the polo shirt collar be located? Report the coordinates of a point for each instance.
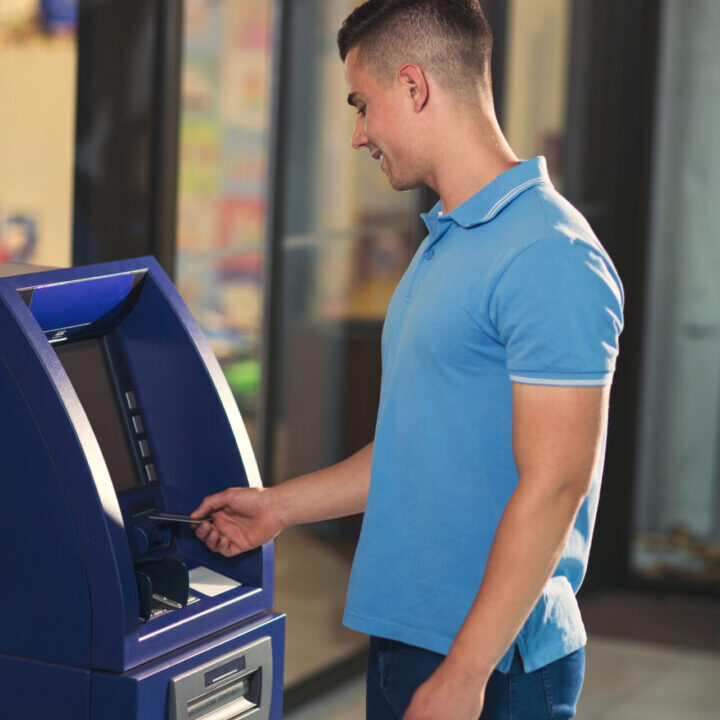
(497, 194)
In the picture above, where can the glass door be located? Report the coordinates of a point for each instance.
(223, 182)
(676, 537)
(347, 239)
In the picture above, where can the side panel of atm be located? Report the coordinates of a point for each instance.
(33, 689)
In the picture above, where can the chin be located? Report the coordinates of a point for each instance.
(402, 184)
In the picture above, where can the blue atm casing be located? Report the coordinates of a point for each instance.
(112, 407)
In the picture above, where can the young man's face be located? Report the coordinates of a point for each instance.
(381, 124)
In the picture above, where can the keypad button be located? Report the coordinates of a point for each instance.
(131, 400)
(151, 472)
(137, 424)
(144, 449)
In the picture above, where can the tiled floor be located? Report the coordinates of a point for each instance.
(624, 681)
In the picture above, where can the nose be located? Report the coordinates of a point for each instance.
(359, 139)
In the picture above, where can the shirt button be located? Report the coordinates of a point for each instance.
(429, 254)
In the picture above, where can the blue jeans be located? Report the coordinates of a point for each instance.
(396, 670)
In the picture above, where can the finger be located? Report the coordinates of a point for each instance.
(230, 546)
(223, 522)
(203, 530)
(231, 549)
(209, 505)
(212, 540)
(212, 503)
(223, 546)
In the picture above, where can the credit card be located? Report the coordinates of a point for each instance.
(174, 517)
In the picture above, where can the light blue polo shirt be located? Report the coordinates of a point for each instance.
(511, 286)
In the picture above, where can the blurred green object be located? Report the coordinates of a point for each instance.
(243, 377)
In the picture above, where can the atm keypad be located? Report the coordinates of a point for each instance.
(138, 426)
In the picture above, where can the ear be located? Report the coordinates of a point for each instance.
(414, 82)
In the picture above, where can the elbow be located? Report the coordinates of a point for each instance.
(556, 488)
(569, 490)
(574, 489)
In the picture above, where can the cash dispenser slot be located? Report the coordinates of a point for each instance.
(236, 686)
(234, 700)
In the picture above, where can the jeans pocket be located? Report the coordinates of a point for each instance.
(562, 681)
(401, 669)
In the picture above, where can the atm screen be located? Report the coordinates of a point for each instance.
(87, 368)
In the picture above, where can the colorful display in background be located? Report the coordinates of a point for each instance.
(224, 136)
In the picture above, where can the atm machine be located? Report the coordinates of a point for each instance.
(113, 409)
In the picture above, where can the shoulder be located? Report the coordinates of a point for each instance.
(546, 239)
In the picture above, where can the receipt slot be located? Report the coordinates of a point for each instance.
(114, 411)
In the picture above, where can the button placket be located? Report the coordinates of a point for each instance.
(427, 257)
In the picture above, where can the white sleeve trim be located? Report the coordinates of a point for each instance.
(562, 381)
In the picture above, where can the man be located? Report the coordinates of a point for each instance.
(499, 345)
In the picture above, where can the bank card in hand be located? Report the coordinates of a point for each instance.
(175, 517)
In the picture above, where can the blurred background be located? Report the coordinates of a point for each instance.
(215, 135)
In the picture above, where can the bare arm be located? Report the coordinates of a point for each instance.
(336, 491)
(557, 435)
(244, 518)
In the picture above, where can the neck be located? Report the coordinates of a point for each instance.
(469, 157)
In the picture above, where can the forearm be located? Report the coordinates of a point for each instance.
(527, 547)
(332, 492)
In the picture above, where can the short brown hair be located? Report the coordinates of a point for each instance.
(451, 39)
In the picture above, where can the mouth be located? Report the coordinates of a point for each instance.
(377, 155)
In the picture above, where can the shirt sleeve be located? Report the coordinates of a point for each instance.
(558, 310)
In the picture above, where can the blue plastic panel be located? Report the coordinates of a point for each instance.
(92, 304)
(45, 600)
(40, 691)
(78, 463)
